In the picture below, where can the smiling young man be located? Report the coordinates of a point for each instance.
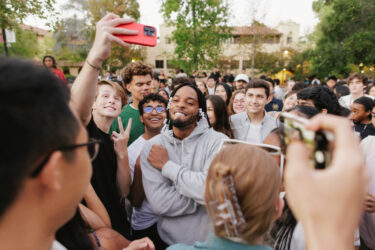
(174, 167)
(137, 79)
(254, 125)
(357, 87)
(153, 114)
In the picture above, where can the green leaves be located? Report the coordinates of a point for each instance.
(200, 30)
(344, 36)
(13, 12)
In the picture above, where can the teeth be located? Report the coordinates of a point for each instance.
(155, 119)
(178, 114)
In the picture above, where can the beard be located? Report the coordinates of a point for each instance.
(178, 123)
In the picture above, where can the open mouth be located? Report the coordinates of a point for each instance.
(179, 114)
(112, 108)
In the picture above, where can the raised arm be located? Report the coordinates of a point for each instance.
(120, 142)
(84, 88)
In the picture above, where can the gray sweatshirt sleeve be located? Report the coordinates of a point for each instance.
(161, 193)
(192, 183)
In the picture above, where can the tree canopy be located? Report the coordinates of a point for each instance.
(344, 36)
(13, 12)
(200, 30)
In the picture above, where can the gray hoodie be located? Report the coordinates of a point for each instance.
(176, 193)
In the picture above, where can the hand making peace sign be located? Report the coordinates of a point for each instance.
(120, 140)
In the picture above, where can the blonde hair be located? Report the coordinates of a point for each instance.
(116, 87)
(257, 181)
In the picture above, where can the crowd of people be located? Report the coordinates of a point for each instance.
(150, 161)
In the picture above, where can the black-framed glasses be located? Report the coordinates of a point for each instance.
(148, 110)
(92, 148)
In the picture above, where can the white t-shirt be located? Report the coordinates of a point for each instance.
(347, 100)
(254, 135)
(57, 246)
(142, 217)
(211, 91)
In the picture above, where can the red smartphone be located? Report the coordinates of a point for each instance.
(146, 36)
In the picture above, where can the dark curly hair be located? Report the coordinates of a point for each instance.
(151, 97)
(201, 100)
(134, 69)
(323, 98)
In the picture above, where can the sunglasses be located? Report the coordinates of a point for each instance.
(158, 109)
(92, 148)
(271, 149)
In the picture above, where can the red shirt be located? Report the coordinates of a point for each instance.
(60, 75)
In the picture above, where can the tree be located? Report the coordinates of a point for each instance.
(200, 30)
(13, 12)
(73, 39)
(269, 63)
(26, 44)
(94, 10)
(344, 36)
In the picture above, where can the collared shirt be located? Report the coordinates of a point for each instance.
(240, 124)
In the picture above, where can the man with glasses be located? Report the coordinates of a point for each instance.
(45, 155)
(153, 114)
(45, 165)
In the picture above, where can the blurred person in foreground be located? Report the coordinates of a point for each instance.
(43, 187)
(232, 198)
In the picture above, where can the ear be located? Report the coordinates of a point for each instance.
(324, 111)
(50, 176)
(142, 119)
(94, 105)
(127, 86)
(279, 207)
(269, 99)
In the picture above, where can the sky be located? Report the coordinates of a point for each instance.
(269, 12)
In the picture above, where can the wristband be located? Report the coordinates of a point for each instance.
(92, 66)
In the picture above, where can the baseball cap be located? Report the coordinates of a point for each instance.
(242, 77)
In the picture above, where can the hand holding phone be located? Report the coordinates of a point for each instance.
(318, 142)
(324, 200)
(147, 35)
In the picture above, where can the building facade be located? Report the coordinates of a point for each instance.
(237, 50)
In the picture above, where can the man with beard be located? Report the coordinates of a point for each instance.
(174, 166)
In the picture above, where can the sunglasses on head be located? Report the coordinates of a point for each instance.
(158, 109)
(271, 149)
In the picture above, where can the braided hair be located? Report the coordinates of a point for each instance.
(201, 102)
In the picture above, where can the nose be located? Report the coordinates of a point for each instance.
(111, 99)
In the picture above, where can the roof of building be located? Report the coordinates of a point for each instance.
(39, 31)
(254, 29)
